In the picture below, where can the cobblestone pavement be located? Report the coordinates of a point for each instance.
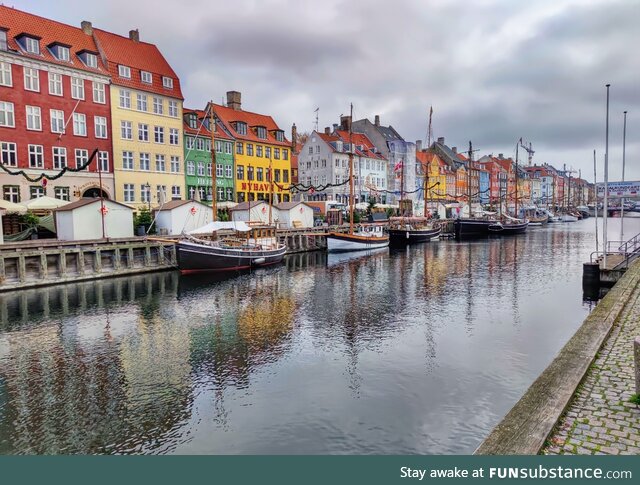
(600, 419)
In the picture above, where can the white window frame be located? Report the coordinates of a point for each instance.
(31, 79)
(55, 84)
(61, 193)
(11, 193)
(145, 193)
(124, 71)
(129, 192)
(125, 98)
(174, 139)
(143, 132)
(146, 77)
(59, 155)
(91, 60)
(36, 151)
(158, 134)
(126, 130)
(173, 108)
(7, 110)
(145, 162)
(158, 105)
(127, 156)
(191, 167)
(167, 82)
(99, 93)
(34, 118)
(175, 192)
(9, 153)
(103, 161)
(79, 124)
(228, 171)
(62, 53)
(81, 156)
(57, 120)
(161, 165)
(77, 88)
(100, 126)
(175, 164)
(141, 102)
(32, 45)
(6, 77)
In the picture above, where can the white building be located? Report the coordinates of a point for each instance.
(254, 211)
(294, 215)
(178, 216)
(324, 159)
(82, 219)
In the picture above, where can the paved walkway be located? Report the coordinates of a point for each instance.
(600, 419)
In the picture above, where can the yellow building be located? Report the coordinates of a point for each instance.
(146, 121)
(259, 145)
(437, 173)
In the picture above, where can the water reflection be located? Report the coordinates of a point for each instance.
(419, 350)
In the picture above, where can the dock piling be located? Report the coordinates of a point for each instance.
(636, 358)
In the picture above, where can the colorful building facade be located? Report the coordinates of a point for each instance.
(146, 119)
(261, 148)
(54, 110)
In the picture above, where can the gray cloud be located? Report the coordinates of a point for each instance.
(494, 70)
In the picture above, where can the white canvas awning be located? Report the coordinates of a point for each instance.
(12, 208)
(44, 203)
(217, 226)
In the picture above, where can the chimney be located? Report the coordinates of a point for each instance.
(335, 126)
(327, 130)
(233, 100)
(134, 35)
(441, 140)
(345, 123)
(454, 150)
(377, 120)
(418, 145)
(86, 27)
(294, 138)
(501, 156)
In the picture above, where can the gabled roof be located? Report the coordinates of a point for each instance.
(139, 56)
(447, 154)
(172, 204)
(362, 140)
(202, 129)
(285, 206)
(87, 201)
(17, 22)
(243, 206)
(229, 115)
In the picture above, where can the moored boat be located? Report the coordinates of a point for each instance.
(507, 228)
(412, 230)
(471, 228)
(367, 237)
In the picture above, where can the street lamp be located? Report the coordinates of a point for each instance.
(148, 187)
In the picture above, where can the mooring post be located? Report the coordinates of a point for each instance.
(636, 358)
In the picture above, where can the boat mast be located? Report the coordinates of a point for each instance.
(270, 188)
(426, 184)
(516, 203)
(469, 177)
(350, 174)
(214, 179)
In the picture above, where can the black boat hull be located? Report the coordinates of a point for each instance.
(194, 257)
(471, 228)
(399, 237)
(508, 229)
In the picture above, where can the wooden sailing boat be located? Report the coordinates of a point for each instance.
(249, 247)
(411, 230)
(367, 237)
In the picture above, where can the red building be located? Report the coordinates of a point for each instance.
(54, 109)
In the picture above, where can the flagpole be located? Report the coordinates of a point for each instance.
(624, 140)
(606, 184)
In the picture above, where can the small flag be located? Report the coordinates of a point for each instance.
(398, 166)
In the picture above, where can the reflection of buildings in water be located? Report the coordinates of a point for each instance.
(101, 382)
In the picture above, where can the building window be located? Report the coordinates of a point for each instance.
(267, 152)
(158, 134)
(146, 77)
(228, 149)
(7, 117)
(218, 146)
(200, 169)
(167, 82)
(141, 102)
(31, 79)
(127, 160)
(62, 53)
(261, 131)
(173, 136)
(3, 40)
(219, 170)
(173, 108)
(79, 124)
(36, 156)
(145, 193)
(229, 193)
(143, 132)
(36, 191)
(100, 124)
(276, 174)
(124, 71)
(175, 164)
(161, 193)
(310, 150)
(240, 172)
(5, 74)
(285, 154)
(98, 93)
(9, 154)
(157, 106)
(55, 84)
(59, 157)
(160, 163)
(11, 193)
(90, 60)
(129, 193)
(34, 120)
(175, 192)
(126, 130)
(31, 45)
(189, 142)
(145, 162)
(239, 148)
(61, 193)
(82, 157)
(285, 176)
(276, 153)
(77, 88)
(191, 168)
(228, 171)
(125, 98)
(103, 161)
(250, 149)
(279, 135)
(259, 174)
(258, 150)
(249, 172)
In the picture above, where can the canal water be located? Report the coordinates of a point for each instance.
(420, 350)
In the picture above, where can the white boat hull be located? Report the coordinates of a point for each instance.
(337, 244)
(568, 218)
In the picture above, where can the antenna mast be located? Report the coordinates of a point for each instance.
(316, 111)
(430, 129)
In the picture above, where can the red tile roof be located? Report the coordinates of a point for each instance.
(17, 22)
(202, 129)
(139, 56)
(229, 115)
(360, 139)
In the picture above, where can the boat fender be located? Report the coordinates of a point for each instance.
(258, 261)
(407, 234)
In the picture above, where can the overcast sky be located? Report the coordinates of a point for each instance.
(493, 70)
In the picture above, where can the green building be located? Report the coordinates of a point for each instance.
(197, 158)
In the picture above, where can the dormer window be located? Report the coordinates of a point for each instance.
(167, 82)
(279, 135)
(241, 127)
(89, 58)
(3, 40)
(261, 132)
(61, 52)
(146, 77)
(192, 121)
(32, 45)
(124, 71)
